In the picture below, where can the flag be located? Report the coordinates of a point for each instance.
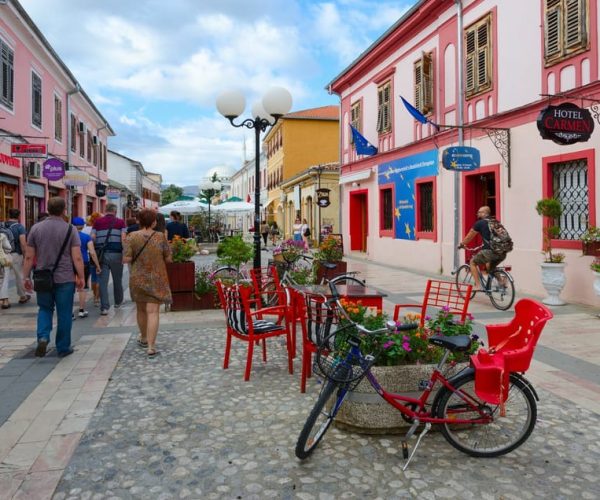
(417, 115)
(248, 199)
(363, 147)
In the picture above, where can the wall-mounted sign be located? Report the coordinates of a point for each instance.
(323, 197)
(76, 178)
(100, 189)
(54, 169)
(113, 193)
(28, 150)
(463, 158)
(565, 124)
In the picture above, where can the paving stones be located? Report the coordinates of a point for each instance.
(183, 427)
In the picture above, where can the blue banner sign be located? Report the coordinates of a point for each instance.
(402, 174)
(463, 158)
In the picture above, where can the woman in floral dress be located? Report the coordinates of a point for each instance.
(148, 251)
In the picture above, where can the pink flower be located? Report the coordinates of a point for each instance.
(445, 309)
(406, 347)
(388, 344)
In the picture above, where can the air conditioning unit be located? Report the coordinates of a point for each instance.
(34, 170)
(81, 127)
(95, 140)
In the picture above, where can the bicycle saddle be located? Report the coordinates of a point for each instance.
(458, 343)
(328, 265)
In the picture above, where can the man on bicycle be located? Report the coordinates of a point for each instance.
(486, 255)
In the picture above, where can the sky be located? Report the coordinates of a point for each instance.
(155, 68)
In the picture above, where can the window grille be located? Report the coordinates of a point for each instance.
(36, 100)
(570, 188)
(387, 210)
(426, 207)
(7, 57)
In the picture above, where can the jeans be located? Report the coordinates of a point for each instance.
(112, 264)
(60, 297)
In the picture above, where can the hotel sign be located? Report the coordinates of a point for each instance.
(565, 124)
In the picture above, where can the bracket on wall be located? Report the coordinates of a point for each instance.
(594, 107)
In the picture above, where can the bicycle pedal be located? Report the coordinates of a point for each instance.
(405, 453)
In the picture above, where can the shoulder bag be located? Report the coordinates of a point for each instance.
(142, 249)
(43, 279)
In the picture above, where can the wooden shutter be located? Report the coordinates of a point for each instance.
(483, 55)
(575, 21)
(386, 107)
(553, 28)
(470, 66)
(355, 119)
(427, 69)
(419, 85)
(380, 110)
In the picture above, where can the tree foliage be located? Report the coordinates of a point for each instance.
(170, 194)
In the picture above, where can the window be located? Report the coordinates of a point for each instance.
(57, 119)
(425, 202)
(384, 123)
(565, 29)
(386, 209)
(479, 57)
(36, 100)
(570, 188)
(8, 74)
(424, 84)
(73, 133)
(355, 119)
(89, 146)
(81, 130)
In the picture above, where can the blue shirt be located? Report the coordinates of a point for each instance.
(85, 239)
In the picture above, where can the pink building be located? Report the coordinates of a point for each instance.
(41, 102)
(517, 58)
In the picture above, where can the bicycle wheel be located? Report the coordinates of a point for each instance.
(502, 290)
(464, 276)
(226, 273)
(347, 279)
(320, 419)
(502, 434)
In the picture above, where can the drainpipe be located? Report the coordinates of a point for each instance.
(98, 160)
(76, 90)
(461, 99)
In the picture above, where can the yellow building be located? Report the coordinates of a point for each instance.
(296, 146)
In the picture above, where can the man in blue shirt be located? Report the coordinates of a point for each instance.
(87, 253)
(19, 232)
(176, 227)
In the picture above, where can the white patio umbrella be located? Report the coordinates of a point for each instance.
(233, 206)
(185, 207)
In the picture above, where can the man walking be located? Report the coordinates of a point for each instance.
(109, 234)
(45, 242)
(19, 232)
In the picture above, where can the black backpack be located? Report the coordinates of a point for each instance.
(500, 240)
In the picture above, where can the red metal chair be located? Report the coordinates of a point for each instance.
(248, 325)
(441, 294)
(511, 347)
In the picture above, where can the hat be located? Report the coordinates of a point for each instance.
(78, 221)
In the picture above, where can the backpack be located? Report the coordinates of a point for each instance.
(307, 232)
(500, 240)
(4, 229)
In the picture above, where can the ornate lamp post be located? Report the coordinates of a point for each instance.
(275, 103)
(208, 189)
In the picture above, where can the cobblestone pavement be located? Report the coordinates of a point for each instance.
(181, 427)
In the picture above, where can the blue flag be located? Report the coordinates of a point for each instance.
(417, 115)
(363, 147)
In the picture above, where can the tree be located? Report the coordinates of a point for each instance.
(170, 194)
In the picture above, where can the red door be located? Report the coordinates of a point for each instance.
(358, 221)
(480, 188)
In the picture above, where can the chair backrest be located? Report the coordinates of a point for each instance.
(234, 301)
(267, 286)
(322, 318)
(447, 294)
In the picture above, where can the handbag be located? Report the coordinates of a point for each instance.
(43, 279)
(142, 249)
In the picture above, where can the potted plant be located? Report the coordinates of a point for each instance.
(591, 241)
(289, 251)
(234, 251)
(330, 250)
(595, 267)
(402, 360)
(553, 267)
(181, 271)
(205, 290)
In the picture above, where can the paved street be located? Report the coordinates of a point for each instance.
(107, 422)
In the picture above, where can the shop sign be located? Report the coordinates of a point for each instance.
(565, 124)
(54, 169)
(323, 197)
(113, 194)
(462, 158)
(28, 150)
(100, 189)
(76, 178)
(9, 160)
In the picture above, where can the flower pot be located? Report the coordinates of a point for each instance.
(553, 279)
(591, 248)
(278, 258)
(182, 276)
(596, 282)
(206, 300)
(182, 301)
(323, 272)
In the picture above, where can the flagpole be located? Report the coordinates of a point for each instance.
(459, 49)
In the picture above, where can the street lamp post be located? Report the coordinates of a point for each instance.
(275, 103)
(209, 188)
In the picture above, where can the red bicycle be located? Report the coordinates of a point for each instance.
(485, 410)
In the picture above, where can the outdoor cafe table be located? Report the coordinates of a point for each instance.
(352, 292)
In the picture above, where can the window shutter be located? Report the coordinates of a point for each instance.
(386, 107)
(427, 83)
(470, 63)
(553, 29)
(575, 20)
(419, 85)
(380, 110)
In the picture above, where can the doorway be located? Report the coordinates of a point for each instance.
(359, 216)
(480, 188)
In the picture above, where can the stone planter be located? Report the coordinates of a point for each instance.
(364, 411)
(596, 283)
(182, 276)
(553, 279)
(341, 268)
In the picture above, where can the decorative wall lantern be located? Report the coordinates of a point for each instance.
(323, 197)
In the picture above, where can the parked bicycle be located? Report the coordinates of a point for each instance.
(468, 423)
(499, 285)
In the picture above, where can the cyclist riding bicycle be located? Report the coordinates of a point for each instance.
(486, 255)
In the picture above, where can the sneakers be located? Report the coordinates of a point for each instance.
(64, 354)
(83, 313)
(103, 312)
(118, 305)
(40, 351)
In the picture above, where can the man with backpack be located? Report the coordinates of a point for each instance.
(18, 243)
(496, 243)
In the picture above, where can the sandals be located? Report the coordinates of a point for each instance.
(142, 343)
(152, 353)
(25, 300)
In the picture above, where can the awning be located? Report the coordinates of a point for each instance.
(9, 180)
(356, 176)
(35, 190)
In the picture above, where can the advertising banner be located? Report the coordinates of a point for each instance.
(28, 150)
(53, 169)
(76, 178)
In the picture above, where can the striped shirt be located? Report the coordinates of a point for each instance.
(101, 229)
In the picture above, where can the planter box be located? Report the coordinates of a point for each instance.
(183, 301)
(207, 300)
(323, 272)
(591, 248)
(182, 276)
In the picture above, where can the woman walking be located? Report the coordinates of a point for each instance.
(305, 234)
(5, 263)
(297, 230)
(148, 251)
